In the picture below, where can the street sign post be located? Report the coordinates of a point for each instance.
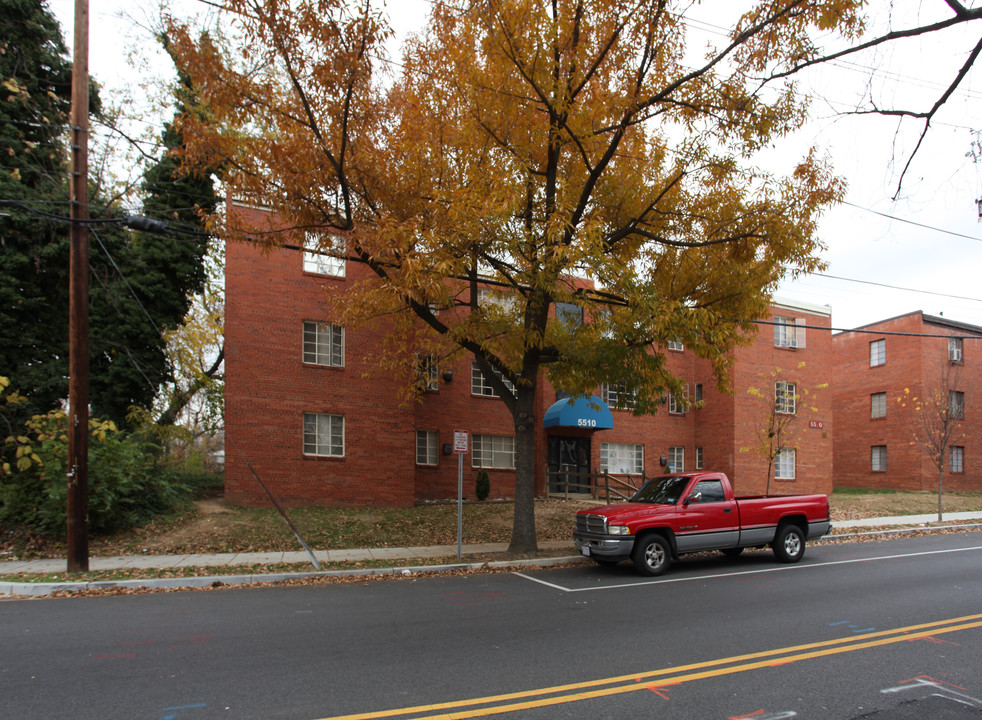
(460, 448)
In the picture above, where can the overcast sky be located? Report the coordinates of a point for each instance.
(927, 242)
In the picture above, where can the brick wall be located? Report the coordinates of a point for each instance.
(269, 388)
(914, 363)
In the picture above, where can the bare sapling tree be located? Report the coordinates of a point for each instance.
(935, 416)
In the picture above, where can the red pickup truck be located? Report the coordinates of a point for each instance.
(694, 512)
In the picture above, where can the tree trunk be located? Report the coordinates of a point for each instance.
(183, 397)
(523, 540)
(940, 491)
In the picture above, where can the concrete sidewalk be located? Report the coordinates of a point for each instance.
(166, 562)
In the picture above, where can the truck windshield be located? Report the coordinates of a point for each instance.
(664, 491)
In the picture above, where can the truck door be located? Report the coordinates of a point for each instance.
(708, 521)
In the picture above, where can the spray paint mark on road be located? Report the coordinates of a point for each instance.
(171, 713)
(940, 688)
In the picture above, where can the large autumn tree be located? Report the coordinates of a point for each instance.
(517, 145)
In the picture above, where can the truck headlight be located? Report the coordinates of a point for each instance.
(620, 530)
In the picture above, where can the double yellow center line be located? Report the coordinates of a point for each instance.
(655, 679)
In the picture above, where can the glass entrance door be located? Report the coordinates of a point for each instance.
(569, 464)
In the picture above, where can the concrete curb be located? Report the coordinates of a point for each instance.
(41, 589)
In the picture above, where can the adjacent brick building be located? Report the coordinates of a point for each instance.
(308, 413)
(894, 378)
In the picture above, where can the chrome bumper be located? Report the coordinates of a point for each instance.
(604, 546)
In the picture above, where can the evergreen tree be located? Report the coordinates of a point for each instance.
(35, 102)
(140, 282)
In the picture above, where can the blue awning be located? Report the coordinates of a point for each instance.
(583, 412)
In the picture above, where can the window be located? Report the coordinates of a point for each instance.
(878, 405)
(323, 435)
(677, 405)
(698, 458)
(956, 404)
(784, 464)
(784, 398)
(324, 256)
(506, 301)
(697, 396)
(427, 444)
(569, 314)
(427, 372)
(621, 458)
(710, 491)
(493, 451)
(676, 344)
(955, 350)
(786, 332)
(676, 459)
(957, 464)
(481, 386)
(323, 344)
(877, 352)
(879, 458)
(618, 396)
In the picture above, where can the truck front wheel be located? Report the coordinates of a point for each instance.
(651, 555)
(789, 544)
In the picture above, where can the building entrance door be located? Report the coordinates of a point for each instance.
(569, 464)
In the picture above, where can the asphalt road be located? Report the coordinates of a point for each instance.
(887, 631)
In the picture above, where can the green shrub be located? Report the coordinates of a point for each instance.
(127, 485)
(483, 485)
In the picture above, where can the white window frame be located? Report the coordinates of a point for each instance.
(427, 448)
(428, 372)
(784, 464)
(676, 344)
(787, 332)
(956, 462)
(877, 352)
(955, 350)
(878, 458)
(503, 299)
(618, 396)
(320, 262)
(493, 452)
(785, 398)
(877, 405)
(315, 427)
(956, 404)
(621, 458)
(699, 458)
(675, 407)
(323, 344)
(480, 385)
(676, 458)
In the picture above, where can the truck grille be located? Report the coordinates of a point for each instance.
(592, 524)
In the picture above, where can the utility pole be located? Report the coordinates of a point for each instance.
(78, 304)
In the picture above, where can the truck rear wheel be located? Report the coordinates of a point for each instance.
(651, 555)
(789, 544)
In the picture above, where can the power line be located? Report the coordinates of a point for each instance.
(895, 287)
(912, 222)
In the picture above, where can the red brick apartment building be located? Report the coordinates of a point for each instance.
(881, 368)
(308, 412)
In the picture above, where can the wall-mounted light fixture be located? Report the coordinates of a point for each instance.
(447, 375)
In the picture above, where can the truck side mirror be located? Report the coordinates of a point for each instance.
(694, 497)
